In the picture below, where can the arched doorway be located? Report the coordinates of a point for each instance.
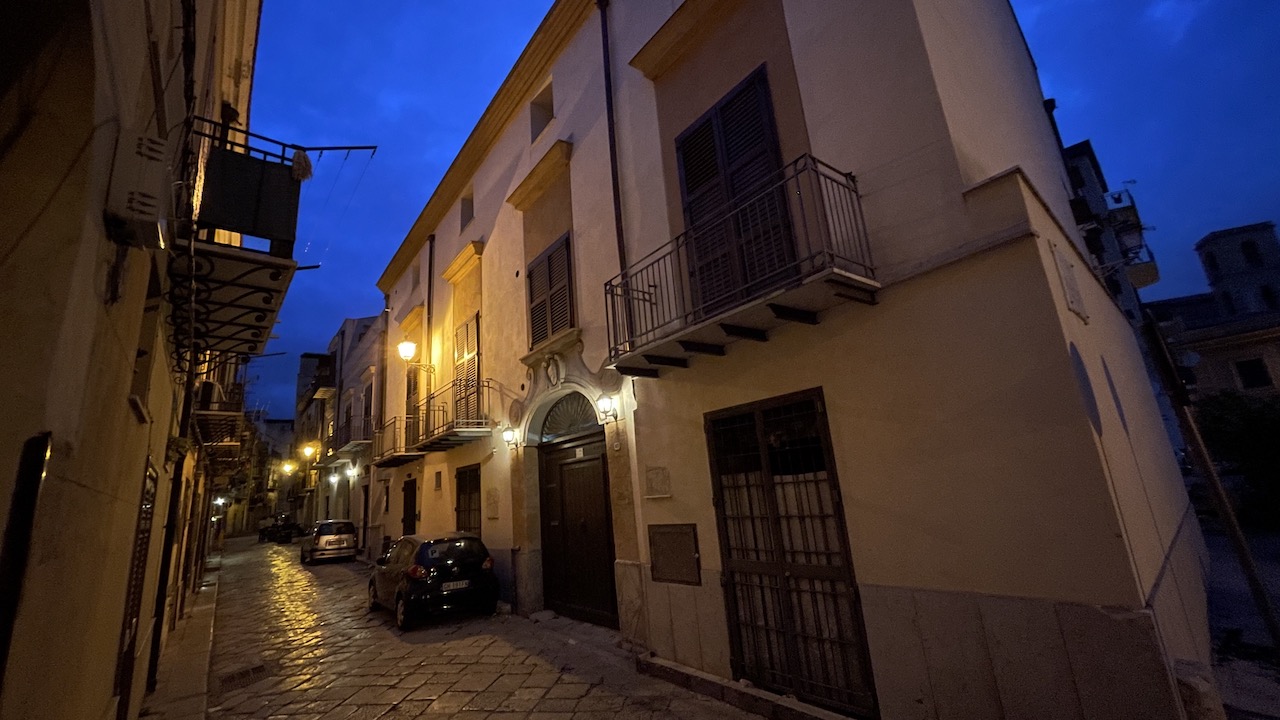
(577, 528)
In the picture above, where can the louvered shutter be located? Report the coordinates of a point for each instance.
(560, 295)
(466, 372)
(739, 235)
(551, 292)
(706, 197)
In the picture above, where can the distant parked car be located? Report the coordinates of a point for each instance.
(329, 539)
(285, 531)
(423, 574)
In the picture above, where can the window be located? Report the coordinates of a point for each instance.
(1228, 303)
(541, 113)
(1268, 297)
(1253, 374)
(468, 209)
(416, 274)
(1076, 177)
(1114, 286)
(1249, 249)
(550, 279)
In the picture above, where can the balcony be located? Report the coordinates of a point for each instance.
(389, 446)
(794, 247)
(454, 415)
(225, 293)
(354, 435)
(218, 413)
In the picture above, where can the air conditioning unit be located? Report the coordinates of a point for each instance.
(138, 202)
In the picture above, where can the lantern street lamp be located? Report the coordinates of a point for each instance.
(408, 350)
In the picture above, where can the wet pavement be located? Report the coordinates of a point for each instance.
(299, 642)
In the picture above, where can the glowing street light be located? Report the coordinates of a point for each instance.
(288, 467)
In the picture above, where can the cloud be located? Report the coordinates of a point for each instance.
(1174, 17)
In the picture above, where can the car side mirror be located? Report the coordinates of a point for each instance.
(382, 561)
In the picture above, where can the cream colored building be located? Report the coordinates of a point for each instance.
(126, 323)
(762, 331)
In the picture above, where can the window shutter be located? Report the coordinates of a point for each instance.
(466, 370)
(560, 295)
(551, 292)
(539, 302)
(706, 197)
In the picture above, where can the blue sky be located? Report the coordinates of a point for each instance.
(1181, 96)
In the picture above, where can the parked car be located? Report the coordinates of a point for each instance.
(284, 531)
(329, 539)
(419, 575)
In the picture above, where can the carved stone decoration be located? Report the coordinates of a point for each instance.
(555, 369)
(176, 448)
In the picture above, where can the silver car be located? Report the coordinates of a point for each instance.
(329, 539)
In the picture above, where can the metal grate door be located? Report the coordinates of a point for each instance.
(794, 617)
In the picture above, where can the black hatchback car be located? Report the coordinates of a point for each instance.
(423, 574)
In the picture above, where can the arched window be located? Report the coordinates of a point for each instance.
(572, 414)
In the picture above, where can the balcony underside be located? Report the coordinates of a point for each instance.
(217, 426)
(454, 437)
(396, 459)
(353, 446)
(227, 298)
(753, 320)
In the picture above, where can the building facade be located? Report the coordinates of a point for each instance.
(764, 333)
(1229, 337)
(123, 278)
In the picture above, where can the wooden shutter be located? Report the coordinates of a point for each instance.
(466, 371)
(739, 234)
(551, 292)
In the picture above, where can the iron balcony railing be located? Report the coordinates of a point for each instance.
(355, 430)
(389, 439)
(806, 219)
(459, 405)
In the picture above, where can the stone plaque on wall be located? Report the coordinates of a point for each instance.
(491, 504)
(657, 482)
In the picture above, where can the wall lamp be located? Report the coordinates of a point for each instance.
(351, 471)
(608, 407)
(511, 437)
(288, 468)
(408, 350)
(333, 478)
(308, 450)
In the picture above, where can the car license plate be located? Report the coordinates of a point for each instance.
(455, 585)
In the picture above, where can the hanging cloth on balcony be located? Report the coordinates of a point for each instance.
(301, 165)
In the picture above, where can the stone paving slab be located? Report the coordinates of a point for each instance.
(299, 643)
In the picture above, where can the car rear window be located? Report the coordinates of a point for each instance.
(458, 550)
(336, 528)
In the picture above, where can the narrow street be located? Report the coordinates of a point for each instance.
(299, 642)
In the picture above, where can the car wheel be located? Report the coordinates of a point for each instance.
(489, 607)
(404, 620)
(302, 555)
(373, 596)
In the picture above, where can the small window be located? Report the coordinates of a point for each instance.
(550, 292)
(541, 113)
(1268, 296)
(1249, 249)
(1253, 374)
(1076, 177)
(468, 210)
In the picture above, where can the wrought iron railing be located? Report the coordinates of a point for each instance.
(458, 405)
(355, 430)
(805, 219)
(389, 439)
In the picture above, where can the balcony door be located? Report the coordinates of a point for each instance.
(466, 373)
(736, 218)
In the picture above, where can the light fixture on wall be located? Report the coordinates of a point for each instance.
(608, 407)
(408, 350)
(351, 471)
(220, 501)
(288, 468)
(511, 437)
(308, 451)
(333, 478)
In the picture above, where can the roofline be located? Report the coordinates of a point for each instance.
(1232, 231)
(552, 36)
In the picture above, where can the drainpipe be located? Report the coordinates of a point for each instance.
(431, 291)
(613, 135)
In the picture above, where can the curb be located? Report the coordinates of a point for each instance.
(750, 699)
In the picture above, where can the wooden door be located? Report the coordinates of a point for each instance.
(409, 519)
(467, 507)
(795, 622)
(577, 531)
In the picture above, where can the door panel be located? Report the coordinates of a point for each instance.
(467, 509)
(794, 616)
(409, 520)
(577, 532)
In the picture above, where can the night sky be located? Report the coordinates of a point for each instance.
(1180, 96)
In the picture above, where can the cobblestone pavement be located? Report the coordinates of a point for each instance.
(299, 642)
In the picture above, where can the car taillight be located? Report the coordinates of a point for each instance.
(417, 572)
(488, 563)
